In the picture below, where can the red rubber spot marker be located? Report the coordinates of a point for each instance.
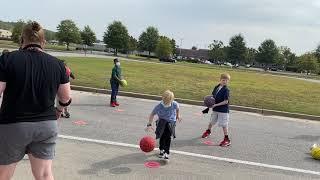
(119, 110)
(152, 164)
(209, 143)
(81, 123)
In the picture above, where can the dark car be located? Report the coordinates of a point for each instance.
(273, 69)
(168, 59)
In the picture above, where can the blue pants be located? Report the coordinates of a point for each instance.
(115, 89)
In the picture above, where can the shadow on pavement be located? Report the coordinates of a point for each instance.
(118, 165)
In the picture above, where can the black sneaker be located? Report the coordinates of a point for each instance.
(67, 115)
(161, 154)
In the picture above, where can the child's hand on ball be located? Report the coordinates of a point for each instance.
(149, 129)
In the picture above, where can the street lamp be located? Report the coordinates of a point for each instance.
(180, 46)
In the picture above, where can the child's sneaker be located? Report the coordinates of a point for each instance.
(166, 156)
(117, 104)
(226, 142)
(206, 133)
(161, 154)
(113, 104)
(67, 115)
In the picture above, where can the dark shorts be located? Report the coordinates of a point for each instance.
(36, 138)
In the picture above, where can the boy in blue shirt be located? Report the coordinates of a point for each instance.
(168, 113)
(220, 109)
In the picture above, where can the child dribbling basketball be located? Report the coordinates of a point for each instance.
(168, 113)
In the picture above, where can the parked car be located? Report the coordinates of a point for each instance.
(236, 66)
(228, 64)
(207, 62)
(273, 69)
(168, 59)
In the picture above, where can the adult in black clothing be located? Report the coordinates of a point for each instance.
(30, 79)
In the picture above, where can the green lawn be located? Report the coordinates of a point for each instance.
(11, 44)
(194, 82)
(132, 56)
(5, 42)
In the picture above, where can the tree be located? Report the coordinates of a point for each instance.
(317, 53)
(281, 60)
(164, 48)
(286, 57)
(68, 32)
(88, 36)
(267, 52)
(132, 44)
(250, 57)
(116, 36)
(237, 49)
(217, 52)
(307, 62)
(148, 39)
(17, 30)
(174, 46)
(50, 35)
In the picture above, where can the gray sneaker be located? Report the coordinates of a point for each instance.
(166, 156)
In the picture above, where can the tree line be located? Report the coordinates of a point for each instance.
(116, 36)
(268, 55)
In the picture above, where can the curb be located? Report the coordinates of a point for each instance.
(265, 112)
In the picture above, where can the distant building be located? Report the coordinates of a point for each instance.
(5, 34)
(145, 53)
(99, 46)
(202, 54)
(95, 47)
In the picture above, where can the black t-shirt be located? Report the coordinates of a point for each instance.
(32, 80)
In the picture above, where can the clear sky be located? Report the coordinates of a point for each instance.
(292, 23)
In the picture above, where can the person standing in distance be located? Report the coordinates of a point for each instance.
(30, 79)
(115, 82)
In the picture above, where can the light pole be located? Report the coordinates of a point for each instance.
(180, 46)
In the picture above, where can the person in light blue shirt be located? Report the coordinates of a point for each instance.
(168, 112)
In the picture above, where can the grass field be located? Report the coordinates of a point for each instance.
(11, 44)
(194, 82)
(142, 58)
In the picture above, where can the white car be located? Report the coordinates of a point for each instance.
(207, 62)
(228, 64)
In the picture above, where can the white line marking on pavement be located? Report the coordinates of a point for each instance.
(196, 155)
